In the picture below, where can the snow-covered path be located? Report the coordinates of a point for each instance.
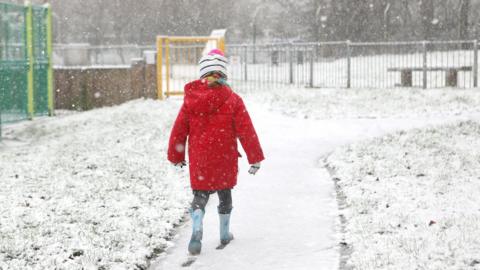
(282, 216)
(285, 217)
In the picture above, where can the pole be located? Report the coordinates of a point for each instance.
(5, 26)
(167, 65)
(30, 86)
(349, 64)
(159, 68)
(312, 59)
(475, 63)
(245, 63)
(290, 65)
(254, 42)
(221, 44)
(51, 99)
(425, 64)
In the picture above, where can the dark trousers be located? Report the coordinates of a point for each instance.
(201, 197)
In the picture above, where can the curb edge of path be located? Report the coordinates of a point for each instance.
(345, 249)
(162, 251)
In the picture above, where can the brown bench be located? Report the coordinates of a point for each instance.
(451, 74)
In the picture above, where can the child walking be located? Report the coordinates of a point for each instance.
(212, 117)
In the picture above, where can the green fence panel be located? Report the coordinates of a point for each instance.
(13, 63)
(15, 23)
(41, 61)
(13, 88)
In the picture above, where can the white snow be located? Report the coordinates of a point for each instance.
(368, 103)
(98, 182)
(412, 198)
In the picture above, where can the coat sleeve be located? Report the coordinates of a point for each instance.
(178, 137)
(246, 134)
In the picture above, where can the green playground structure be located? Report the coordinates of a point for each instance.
(26, 71)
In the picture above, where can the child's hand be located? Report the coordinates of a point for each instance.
(180, 164)
(254, 168)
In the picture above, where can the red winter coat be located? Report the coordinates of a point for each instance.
(212, 119)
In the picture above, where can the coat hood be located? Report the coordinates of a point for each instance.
(201, 99)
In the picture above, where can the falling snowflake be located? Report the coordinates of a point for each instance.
(180, 148)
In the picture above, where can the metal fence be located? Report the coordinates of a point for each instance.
(428, 64)
(26, 78)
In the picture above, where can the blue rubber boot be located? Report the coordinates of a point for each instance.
(195, 245)
(225, 235)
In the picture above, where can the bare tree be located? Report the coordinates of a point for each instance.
(463, 26)
(427, 12)
(140, 21)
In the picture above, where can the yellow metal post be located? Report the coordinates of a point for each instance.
(30, 86)
(221, 44)
(167, 64)
(159, 68)
(51, 98)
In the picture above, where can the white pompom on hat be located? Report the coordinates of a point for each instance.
(214, 61)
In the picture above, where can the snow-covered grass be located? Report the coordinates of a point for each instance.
(367, 103)
(88, 190)
(411, 199)
(94, 189)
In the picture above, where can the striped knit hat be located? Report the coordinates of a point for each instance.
(214, 61)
